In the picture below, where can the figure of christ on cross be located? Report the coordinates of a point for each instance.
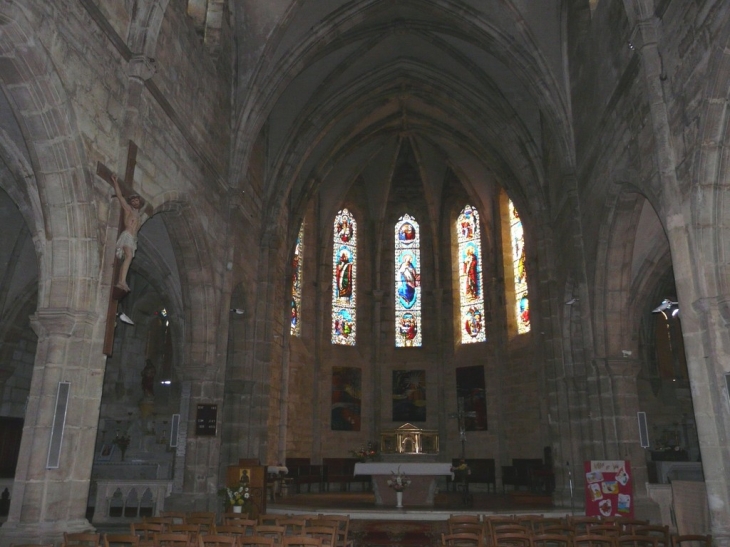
(134, 217)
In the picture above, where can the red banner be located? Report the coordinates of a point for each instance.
(609, 488)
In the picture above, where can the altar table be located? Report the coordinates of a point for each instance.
(422, 489)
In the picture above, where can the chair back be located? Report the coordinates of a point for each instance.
(636, 541)
(178, 517)
(343, 527)
(463, 539)
(214, 540)
(292, 526)
(81, 539)
(513, 540)
(659, 532)
(171, 540)
(593, 540)
(552, 540)
(326, 534)
(146, 530)
(120, 540)
(270, 531)
(612, 530)
(234, 530)
(255, 541)
(301, 541)
(691, 540)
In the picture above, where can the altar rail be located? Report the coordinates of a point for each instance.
(128, 500)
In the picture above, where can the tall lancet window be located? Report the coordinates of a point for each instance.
(344, 277)
(296, 283)
(407, 283)
(471, 289)
(522, 302)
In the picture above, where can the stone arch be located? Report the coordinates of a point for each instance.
(58, 160)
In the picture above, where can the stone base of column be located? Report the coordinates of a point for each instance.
(41, 532)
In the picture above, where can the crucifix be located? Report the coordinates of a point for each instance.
(119, 287)
(461, 416)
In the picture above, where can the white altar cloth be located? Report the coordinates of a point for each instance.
(407, 468)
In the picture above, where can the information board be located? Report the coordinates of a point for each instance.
(206, 419)
(609, 488)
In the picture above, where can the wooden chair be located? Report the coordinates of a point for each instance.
(270, 531)
(550, 522)
(691, 540)
(255, 541)
(193, 530)
(32, 545)
(463, 539)
(581, 524)
(343, 528)
(292, 526)
(208, 540)
(202, 514)
(171, 540)
(612, 530)
(267, 518)
(146, 532)
(81, 539)
(531, 522)
(628, 525)
(513, 540)
(301, 541)
(561, 530)
(588, 540)
(234, 530)
(206, 523)
(509, 529)
(661, 533)
(327, 535)
(178, 517)
(165, 521)
(120, 540)
(552, 540)
(230, 519)
(636, 541)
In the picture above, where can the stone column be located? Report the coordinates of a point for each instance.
(46, 502)
(377, 372)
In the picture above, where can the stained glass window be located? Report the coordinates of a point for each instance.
(407, 283)
(522, 302)
(471, 289)
(296, 283)
(344, 276)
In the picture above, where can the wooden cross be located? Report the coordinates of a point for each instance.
(116, 294)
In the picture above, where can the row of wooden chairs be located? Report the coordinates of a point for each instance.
(467, 539)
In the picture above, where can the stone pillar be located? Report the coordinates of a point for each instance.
(623, 374)
(377, 372)
(47, 502)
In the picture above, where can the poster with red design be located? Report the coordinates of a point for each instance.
(609, 488)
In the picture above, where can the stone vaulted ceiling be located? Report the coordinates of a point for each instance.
(333, 86)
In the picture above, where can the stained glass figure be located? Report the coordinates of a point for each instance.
(296, 283)
(522, 302)
(344, 276)
(407, 283)
(471, 289)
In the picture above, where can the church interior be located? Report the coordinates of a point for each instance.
(499, 222)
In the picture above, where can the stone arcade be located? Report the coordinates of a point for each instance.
(339, 191)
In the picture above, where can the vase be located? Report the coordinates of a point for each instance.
(237, 508)
(399, 498)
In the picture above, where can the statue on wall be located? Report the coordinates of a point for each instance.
(134, 217)
(148, 379)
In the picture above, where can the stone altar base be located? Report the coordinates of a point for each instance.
(421, 492)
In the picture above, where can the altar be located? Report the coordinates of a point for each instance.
(420, 492)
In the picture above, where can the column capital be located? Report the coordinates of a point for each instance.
(142, 67)
(61, 321)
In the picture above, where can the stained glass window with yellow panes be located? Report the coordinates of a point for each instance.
(522, 302)
(471, 289)
(296, 283)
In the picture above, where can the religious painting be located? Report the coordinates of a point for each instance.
(409, 395)
(296, 284)
(472, 398)
(344, 275)
(407, 283)
(346, 398)
(471, 297)
(522, 302)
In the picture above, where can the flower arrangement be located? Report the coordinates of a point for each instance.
(398, 481)
(122, 441)
(365, 453)
(240, 497)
